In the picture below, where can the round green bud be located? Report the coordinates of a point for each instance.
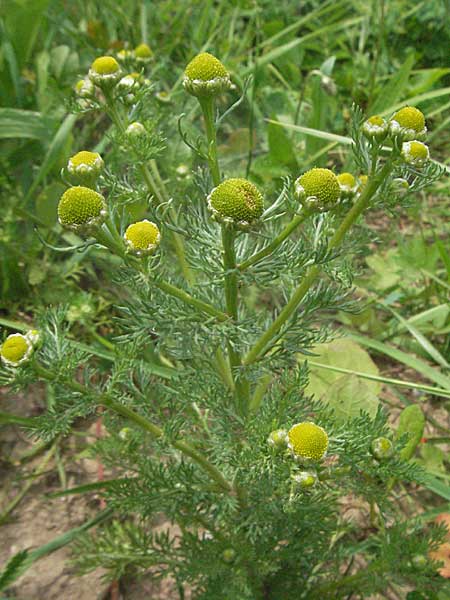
(135, 130)
(318, 189)
(236, 201)
(143, 53)
(229, 556)
(206, 76)
(400, 186)
(16, 349)
(142, 238)
(305, 480)
(124, 54)
(129, 83)
(415, 153)
(382, 448)
(408, 124)
(375, 128)
(182, 171)
(308, 441)
(85, 167)
(278, 439)
(104, 71)
(125, 433)
(163, 97)
(419, 561)
(81, 209)
(84, 88)
(347, 184)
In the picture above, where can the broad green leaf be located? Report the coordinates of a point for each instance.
(412, 423)
(386, 271)
(16, 123)
(348, 396)
(47, 203)
(395, 87)
(433, 458)
(280, 146)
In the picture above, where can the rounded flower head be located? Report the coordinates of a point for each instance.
(408, 124)
(135, 129)
(278, 439)
(375, 128)
(304, 480)
(142, 238)
(236, 201)
(104, 71)
(347, 184)
(382, 448)
(85, 166)
(16, 349)
(81, 209)
(84, 88)
(318, 189)
(205, 75)
(308, 441)
(415, 153)
(143, 53)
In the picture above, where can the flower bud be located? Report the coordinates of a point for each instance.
(415, 153)
(347, 184)
(18, 348)
(81, 209)
(382, 448)
(408, 124)
(125, 433)
(129, 83)
(308, 442)
(278, 439)
(236, 201)
(142, 238)
(124, 54)
(304, 480)
(229, 556)
(318, 189)
(400, 186)
(85, 167)
(206, 76)
(419, 561)
(375, 128)
(135, 130)
(84, 88)
(104, 71)
(143, 53)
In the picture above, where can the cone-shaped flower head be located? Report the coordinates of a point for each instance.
(375, 128)
(236, 201)
(85, 165)
(308, 441)
(143, 53)
(348, 185)
(415, 153)
(382, 448)
(142, 238)
(318, 189)
(408, 124)
(17, 348)
(81, 209)
(104, 71)
(304, 480)
(205, 75)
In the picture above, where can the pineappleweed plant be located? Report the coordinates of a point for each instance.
(206, 414)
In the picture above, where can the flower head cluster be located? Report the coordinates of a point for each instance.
(415, 153)
(408, 124)
(81, 209)
(18, 348)
(307, 441)
(143, 53)
(85, 166)
(105, 71)
(206, 76)
(142, 238)
(236, 201)
(318, 189)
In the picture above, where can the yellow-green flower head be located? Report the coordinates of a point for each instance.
(16, 349)
(382, 448)
(135, 129)
(362, 180)
(205, 75)
(124, 54)
(375, 128)
(81, 209)
(408, 124)
(85, 163)
(278, 439)
(84, 88)
(129, 82)
(143, 53)
(304, 480)
(142, 238)
(348, 185)
(308, 441)
(236, 201)
(318, 189)
(415, 153)
(105, 70)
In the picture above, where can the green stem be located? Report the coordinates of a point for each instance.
(155, 431)
(270, 248)
(207, 106)
(209, 309)
(313, 272)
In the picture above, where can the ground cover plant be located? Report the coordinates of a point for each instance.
(208, 330)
